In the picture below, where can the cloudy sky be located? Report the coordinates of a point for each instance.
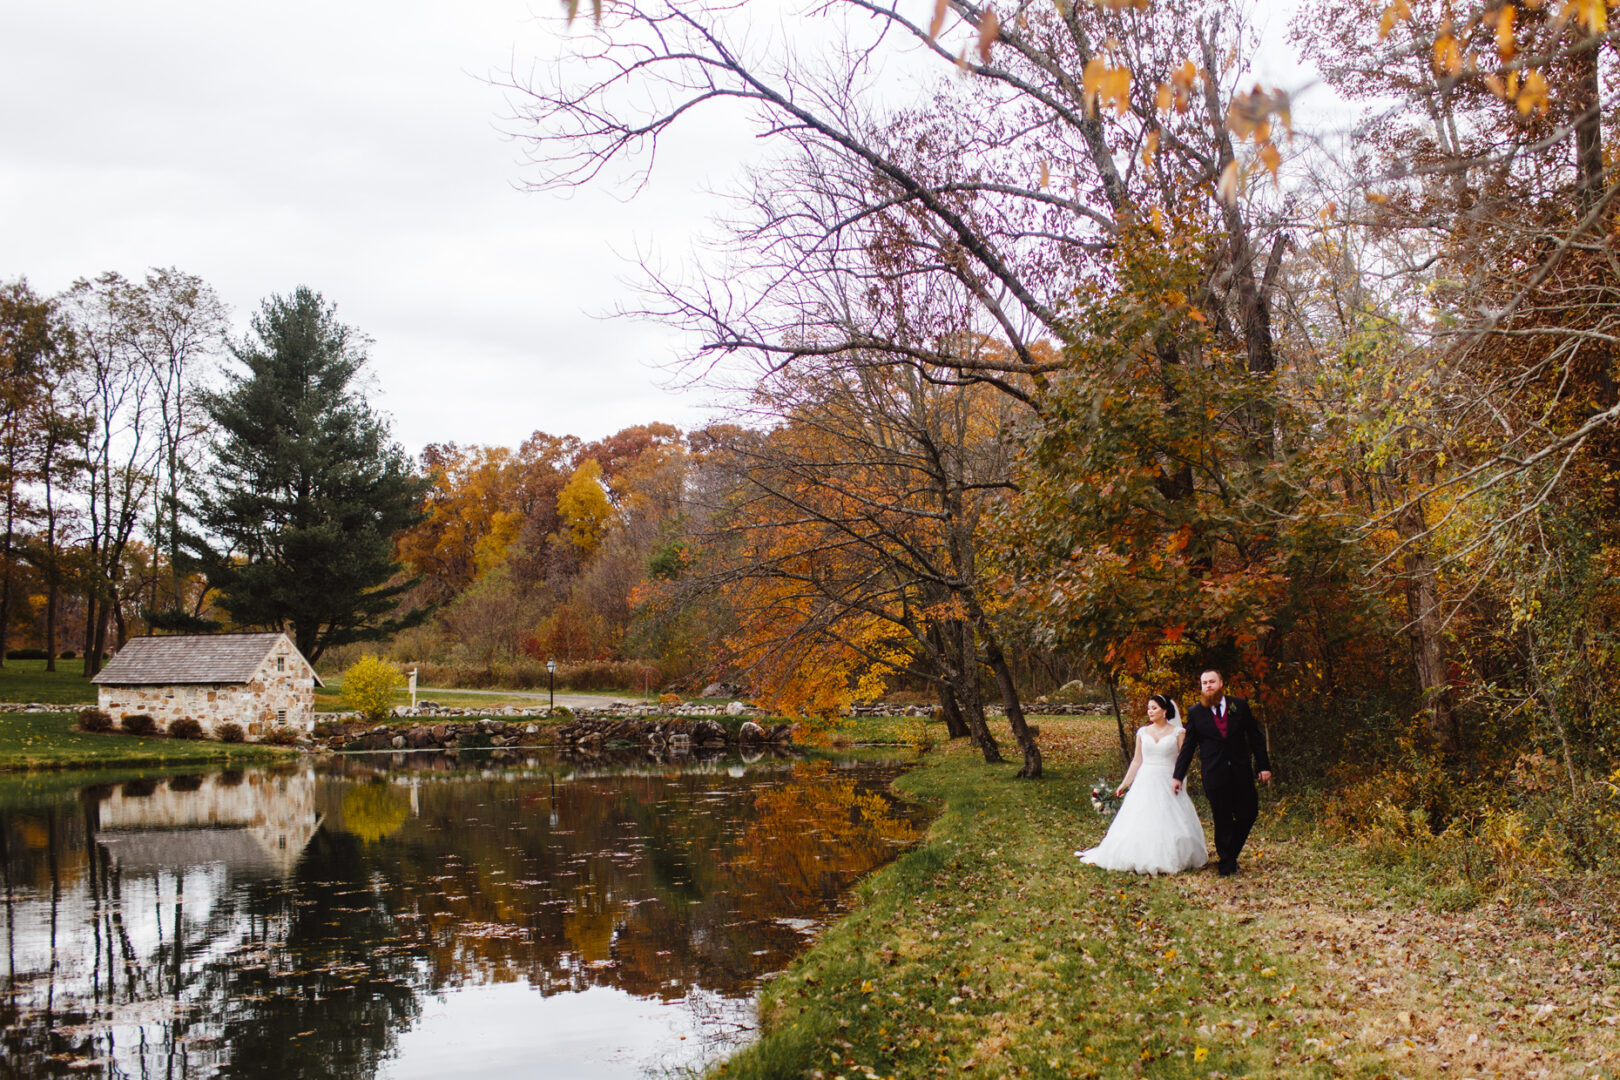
(354, 147)
(357, 147)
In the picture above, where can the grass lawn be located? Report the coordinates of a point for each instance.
(48, 741)
(27, 680)
(991, 951)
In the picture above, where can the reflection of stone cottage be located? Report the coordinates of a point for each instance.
(255, 825)
(260, 681)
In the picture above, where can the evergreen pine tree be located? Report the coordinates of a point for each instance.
(308, 488)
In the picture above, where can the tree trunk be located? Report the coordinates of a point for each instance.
(5, 612)
(120, 625)
(967, 692)
(100, 635)
(90, 615)
(1586, 99)
(955, 726)
(964, 676)
(53, 599)
(949, 707)
(1119, 721)
(1015, 711)
(1424, 627)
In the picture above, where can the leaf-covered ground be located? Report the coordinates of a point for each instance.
(991, 951)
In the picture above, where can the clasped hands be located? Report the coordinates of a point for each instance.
(1264, 776)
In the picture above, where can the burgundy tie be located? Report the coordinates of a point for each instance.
(1220, 717)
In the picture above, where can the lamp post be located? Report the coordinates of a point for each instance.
(551, 684)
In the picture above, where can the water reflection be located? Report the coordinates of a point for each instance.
(415, 915)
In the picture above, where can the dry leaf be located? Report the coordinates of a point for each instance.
(1183, 79)
(1110, 85)
(1505, 45)
(989, 32)
(1272, 159)
(938, 22)
(1226, 188)
(1150, 148)
(1398, 11)
(1046, 176)
(1533, 98)
(1447, 54)
(1592, 14)
(1249, 115)
(1157, 218)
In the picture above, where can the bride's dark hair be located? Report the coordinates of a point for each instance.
(1169, 706)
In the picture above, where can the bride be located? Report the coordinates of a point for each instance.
(1156, 830)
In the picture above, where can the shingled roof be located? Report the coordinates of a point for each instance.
(188, 658)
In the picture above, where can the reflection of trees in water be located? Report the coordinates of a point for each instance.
(118, 967)
(652, 882)
(662, 883)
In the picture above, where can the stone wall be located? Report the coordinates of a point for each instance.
(280, 695)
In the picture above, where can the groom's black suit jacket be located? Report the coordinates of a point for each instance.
(1225, 759)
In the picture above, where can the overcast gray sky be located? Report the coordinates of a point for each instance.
(354, 147)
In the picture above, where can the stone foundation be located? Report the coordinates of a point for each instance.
(260, 707)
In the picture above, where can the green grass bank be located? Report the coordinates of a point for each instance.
(27, 680)
(991, 951)
(50, 741)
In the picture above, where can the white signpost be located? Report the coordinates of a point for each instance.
(413, 687)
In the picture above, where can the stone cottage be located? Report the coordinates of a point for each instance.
(260, 681)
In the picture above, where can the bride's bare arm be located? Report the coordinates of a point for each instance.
(1130, 774)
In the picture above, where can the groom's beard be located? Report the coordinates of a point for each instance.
(1211, 699)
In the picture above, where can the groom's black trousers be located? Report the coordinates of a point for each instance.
(1235, 806)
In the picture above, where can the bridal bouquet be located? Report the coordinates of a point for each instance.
(1103, 799)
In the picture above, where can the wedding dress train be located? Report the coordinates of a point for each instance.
(1155, 831)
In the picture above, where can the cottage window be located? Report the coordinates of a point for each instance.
(281, 663)
(281, 716)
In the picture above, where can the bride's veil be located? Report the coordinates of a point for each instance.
(1175, 715)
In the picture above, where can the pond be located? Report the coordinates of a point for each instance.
(420, 915)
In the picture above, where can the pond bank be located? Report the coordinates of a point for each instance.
(990, 951)
(49, 740)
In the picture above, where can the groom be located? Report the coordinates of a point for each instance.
(1225, 728)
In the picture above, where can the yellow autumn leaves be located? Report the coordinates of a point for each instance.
(1106, 82)
(1524, 88)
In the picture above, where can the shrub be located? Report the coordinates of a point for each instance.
(608, 675)
(370, 685)
(94, 720)
(561, 712)
(230, 733)
(26, 654)
(139, 724)
(281, 736)
(669, 699)
(327, 728)
(185, 728)
(67, 654)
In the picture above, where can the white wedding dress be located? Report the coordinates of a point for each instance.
(1155, 831)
